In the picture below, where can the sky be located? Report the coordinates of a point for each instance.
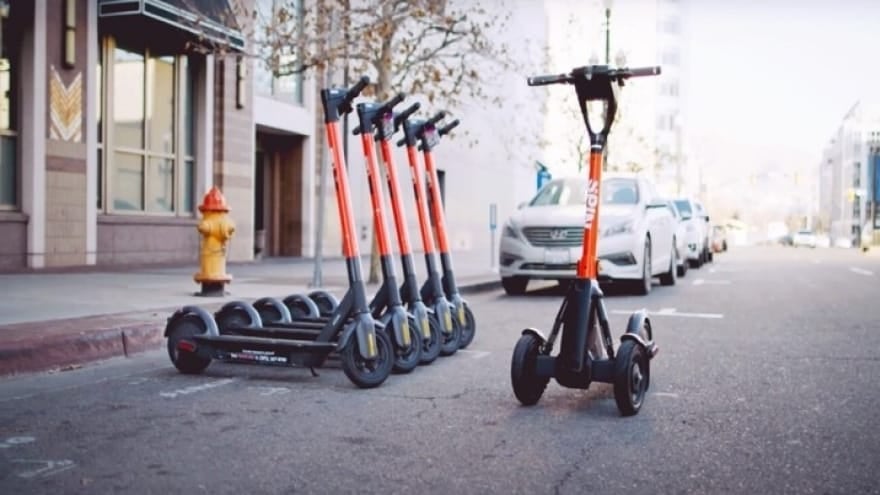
(770, 81)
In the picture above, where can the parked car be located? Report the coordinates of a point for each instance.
(804, 238)
(719, 238)
(696, 228)
(680, 239)
(544, 238)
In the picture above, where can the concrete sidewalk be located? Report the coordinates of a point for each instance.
(55, 320)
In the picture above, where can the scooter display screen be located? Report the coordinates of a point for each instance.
(387, 125)
(431, 137)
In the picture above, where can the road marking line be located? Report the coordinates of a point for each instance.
(672, 313)
(13, 441)
(475, 354)
(699, 281)
(861, 271)
(46, 469)
(197, 388)
(267, 391)
(667, 310)
(666, 394)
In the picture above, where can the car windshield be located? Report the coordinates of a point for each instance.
(574, 192)
(684, 207)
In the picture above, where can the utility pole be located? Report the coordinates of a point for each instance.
(318, 273)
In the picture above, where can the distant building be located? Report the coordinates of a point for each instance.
(848, 182)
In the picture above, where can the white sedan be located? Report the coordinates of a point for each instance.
(544, 238)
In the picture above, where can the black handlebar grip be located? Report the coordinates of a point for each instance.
(401, 141)
(436, 118)
(400, 117)
(448, 127)
(644, 71)
(356, 131)
(355, 90)
(548, 79)
(393, 102)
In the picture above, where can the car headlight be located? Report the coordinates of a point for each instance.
(621, 228)
(511, 231)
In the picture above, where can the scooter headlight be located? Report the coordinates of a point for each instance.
(621, 228)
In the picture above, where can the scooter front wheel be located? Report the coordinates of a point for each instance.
(406, 360)
(631, 377)
(527, 385)
(431, 345)
(469, 330)
(368, 373)
(449, 342)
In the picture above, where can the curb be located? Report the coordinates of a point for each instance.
(78, 343)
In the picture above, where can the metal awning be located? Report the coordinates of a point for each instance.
(212, 19)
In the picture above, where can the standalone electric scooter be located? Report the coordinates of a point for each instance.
(432, 291)
(387, 124)
(585, 355)
(430, 137)
(365, 350)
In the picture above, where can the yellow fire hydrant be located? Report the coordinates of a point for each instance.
(216, 229)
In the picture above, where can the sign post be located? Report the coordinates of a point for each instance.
(493, 224)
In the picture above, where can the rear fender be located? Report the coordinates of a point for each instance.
(255, 320)
(301, 306)
(274, 305)
(207, 319)
(638, 329)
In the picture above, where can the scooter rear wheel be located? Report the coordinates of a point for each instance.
(185, 327)
(527, 386)
(368, 373)
(631, 378)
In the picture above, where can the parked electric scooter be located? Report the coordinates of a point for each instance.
(387, 305)
(386, 125)
(432, 290)
(586, 355)
(430, 137)
(365, 350)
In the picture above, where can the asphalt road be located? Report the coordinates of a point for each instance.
(767, 382)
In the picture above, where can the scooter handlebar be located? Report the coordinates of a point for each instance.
(591, 70)
(400, 117)
(549, 79)
(389, 105)
(355, 90)
(436, 118)
(448, 127)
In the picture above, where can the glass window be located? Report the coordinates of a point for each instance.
(148, 164)
(128, 182)
(620, 192)
(160, 117)
(128, 99)
(8, 118)
(271, 71)
(684, 207)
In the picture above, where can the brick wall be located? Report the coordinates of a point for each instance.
(234, 147)
(65, 146)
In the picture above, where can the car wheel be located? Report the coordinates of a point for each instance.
(515, 286)
(671, 275)
(643, 286)
(683, 268)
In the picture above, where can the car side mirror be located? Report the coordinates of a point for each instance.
(707, 218)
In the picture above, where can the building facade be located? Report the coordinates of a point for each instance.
(117, 116)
